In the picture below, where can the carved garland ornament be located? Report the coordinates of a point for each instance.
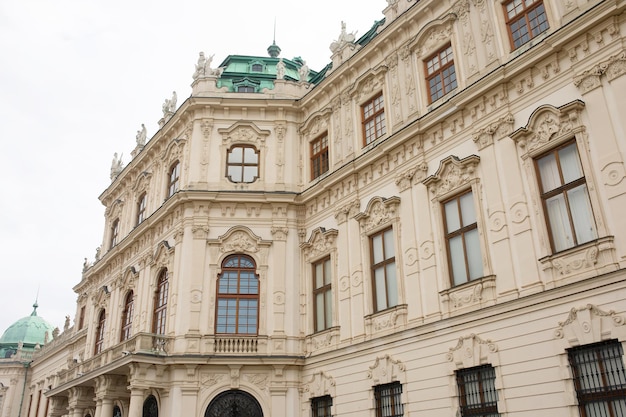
(378, 212)
(453, 173)
(320, 243)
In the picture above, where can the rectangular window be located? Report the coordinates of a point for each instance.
(599, 378)
(389, 400)
(477, 391)
(141, 208)
(525, 19)
(321, 406)
(81, 318)
(374, 125)
(242, 164)
(174, 179)
(384, 281)
(565, 198)
(440, 73)
(115, 229)
(319, 156)
(322, 295)
(462, 240)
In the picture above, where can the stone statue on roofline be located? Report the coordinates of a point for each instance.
(280, 69)
(203, 68)
(141, 136)
(304, 72)
(344, 38)
(116, 166)
(169, 105)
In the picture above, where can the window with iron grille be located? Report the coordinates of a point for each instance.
(389, 400)
(477, 391)
(599, 378)
(319, 156)
(525, 19)
(321, 406)
(440, 73)
(374, 124)
(160, 303)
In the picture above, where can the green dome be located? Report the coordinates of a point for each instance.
(29, 330)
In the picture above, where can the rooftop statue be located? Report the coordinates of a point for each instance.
(169, 105)
(116, 165)
(203, 68)
(304, 72)
(141, 136)
(280, 69)
(344, 38)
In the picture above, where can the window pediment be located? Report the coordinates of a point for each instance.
(369, 83)
(452, 176)
(142, 182)
(386, 369)
(378, 213)
(239, 239)
(548, 126)
(472, 351)
(317, 123)
(433, 35)
(320, 384)
(245, 133)
(174, 150)
(321, 243)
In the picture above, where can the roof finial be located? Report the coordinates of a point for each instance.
(274, 50)
(34, 313)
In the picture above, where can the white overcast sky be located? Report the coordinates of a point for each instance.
(77, 79)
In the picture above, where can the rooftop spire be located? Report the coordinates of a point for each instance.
(274, 50)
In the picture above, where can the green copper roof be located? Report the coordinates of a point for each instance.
(29, 330)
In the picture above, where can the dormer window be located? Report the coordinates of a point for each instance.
(245, 89)
(257, 67)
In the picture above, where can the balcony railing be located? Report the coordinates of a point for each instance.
(236, 345)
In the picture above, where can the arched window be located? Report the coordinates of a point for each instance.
(160, 303)
(100, 332)
(117, 412)
(127, 316)
(234, 403)
(115, 230)
(237, 296)
(174, 179)
(150, 407)
(141, 208)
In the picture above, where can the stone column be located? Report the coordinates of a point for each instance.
(135, 409)
(106, 408)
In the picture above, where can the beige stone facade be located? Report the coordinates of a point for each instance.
(440, 239)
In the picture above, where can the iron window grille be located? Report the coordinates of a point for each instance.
(389, 400)
(477, 391)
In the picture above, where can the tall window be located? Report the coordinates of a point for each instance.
(237, 296)
(81, 318)
(174, 179)
(389, 400)
(127, 316)
(599, 378)
(463, 244)
(321, 406)
(477, 391)
(100, 332)
(115, 229)
(565, 198)
(440, 73)
(319, 156)
(383, 256)
(374, 125)
(242, 164)
(322, 294)
(141, 208)
(160, 303)
(525, 20)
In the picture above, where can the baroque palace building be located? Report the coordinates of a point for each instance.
(432, 225)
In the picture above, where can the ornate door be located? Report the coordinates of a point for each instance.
(234, 403)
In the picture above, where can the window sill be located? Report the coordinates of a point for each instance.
(476, 293)
(580, 262)
(391, 319)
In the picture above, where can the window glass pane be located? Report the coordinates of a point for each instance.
(249, 174)
(559, 223)
(250, 156)
(389, 247)
(468, 214)
(452, 216)
(319, 311)
(235, 173)
(328, 296)
(570, 163)
(319, 277)
(381, 294)
(235, 155)
(474, 260)
(457, 259)
(584, 224)
(377, 248)
(549, 173)
(327, 271)
(392, 284)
